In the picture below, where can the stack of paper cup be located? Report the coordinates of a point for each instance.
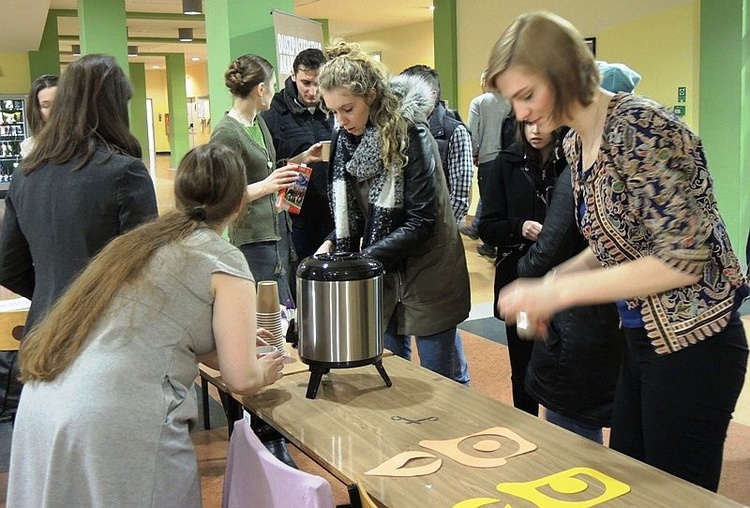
(269, 314)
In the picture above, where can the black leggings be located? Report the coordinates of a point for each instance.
(672, 411)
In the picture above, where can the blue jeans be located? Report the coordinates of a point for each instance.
(435, 351)
(460, 370)
(475, 221)
(591, 432)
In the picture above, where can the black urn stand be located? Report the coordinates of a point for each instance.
(318, 369)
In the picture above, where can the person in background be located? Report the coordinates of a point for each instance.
(454, 144)
(390, 202)
(263, 232)
(658, 247)
(82, 185)
(296, 122)
(514, 193)
(573, 373)
(108, 401)
(487, 113)
(38, 106)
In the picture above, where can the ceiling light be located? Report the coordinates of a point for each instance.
(132, 50)
(186, 34)
(195, 58)
(432, 8)
(191, 7)
(156, 67)
(76, 49)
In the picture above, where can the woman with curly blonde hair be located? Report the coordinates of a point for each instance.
(390, 200)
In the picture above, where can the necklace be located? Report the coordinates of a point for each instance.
(235, 113)
(254, 132)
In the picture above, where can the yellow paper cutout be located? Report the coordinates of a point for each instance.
(449, 448)
(477, 502)
(394, 465)
(565, 482)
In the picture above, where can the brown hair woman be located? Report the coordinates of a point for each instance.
(38, 108)
(109, 400)
(658, 247)
(263, 232)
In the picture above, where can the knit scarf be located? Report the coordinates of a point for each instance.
(362, 163)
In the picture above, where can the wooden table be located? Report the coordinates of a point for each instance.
(350, 428)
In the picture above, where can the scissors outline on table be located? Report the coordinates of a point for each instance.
(409, 421)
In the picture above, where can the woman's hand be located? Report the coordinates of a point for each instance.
(529, 304)
(261, 337)
(327, 246)
(272, 365)
(531, 229)
(281, 178)
(312, 154)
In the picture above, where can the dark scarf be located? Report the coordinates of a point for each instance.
(353, 164)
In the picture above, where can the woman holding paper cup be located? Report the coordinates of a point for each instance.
(108, 399)
(262, 232)
(658, 247)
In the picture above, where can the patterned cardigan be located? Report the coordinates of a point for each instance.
(649, 193)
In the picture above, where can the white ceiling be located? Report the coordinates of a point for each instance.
(23, 20)
(23, 24)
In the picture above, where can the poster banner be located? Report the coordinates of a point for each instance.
(293, 34)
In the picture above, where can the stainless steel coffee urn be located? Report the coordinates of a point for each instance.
(339, 314)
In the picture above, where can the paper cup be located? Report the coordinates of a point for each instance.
(325, 151)
(268, 296)
(265, 350)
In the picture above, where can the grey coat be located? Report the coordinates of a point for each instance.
(56, 219)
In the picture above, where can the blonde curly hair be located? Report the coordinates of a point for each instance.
(351, 69)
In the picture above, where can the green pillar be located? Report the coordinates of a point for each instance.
(47, 59)
(235, 28)
(179, 142)
(103, 29)
(724, 116)
(138, 124)
(326, 31)
(446, 49)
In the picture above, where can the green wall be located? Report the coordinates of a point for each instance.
(723, 110)
(47, 59)
(445, 36)
(235, 28)
(104, 29)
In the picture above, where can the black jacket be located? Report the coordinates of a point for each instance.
(574, 372)
(294, 129)
(426, 281)
(442, 127)
(57, 218)
(512, 192)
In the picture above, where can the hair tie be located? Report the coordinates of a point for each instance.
(198, 213)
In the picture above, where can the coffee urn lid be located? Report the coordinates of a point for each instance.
(339, 266)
